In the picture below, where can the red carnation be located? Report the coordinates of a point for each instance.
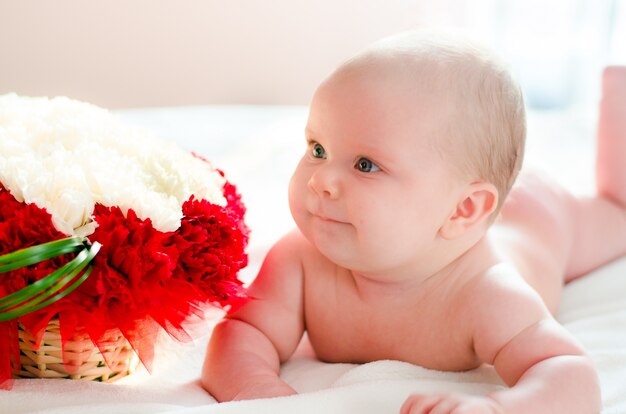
(141, 278)
(211, 241)
(16, 235)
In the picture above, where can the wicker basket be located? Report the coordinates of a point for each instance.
(47, 361)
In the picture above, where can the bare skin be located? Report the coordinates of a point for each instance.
(447, 289)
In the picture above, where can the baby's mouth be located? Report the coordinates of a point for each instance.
(327, 219)
(330, 220)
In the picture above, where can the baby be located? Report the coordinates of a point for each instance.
(408, 248)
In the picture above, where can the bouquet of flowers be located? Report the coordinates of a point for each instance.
(107, 232)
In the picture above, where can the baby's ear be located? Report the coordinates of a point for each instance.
(474, 207)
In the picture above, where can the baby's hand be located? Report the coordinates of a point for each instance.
(450, 403)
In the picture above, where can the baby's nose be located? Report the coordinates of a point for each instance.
(325, 182)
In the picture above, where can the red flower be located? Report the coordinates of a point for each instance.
(141, 278)
(211, 242)
(234, 203)
(132, 249)
(23, 225)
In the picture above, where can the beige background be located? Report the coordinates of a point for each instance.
(128, 53)
(133, 53)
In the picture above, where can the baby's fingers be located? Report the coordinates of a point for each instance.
(448, 404)
(422, 404)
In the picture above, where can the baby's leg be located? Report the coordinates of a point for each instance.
(600, 222)
(611, 156)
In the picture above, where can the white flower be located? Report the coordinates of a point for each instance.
(65, 156)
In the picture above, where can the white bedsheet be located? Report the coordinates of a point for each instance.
(257, 147)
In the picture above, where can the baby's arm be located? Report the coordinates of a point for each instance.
(547, 371)
(247, 347)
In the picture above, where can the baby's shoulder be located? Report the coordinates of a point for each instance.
(283, 261)
(498, 288)
(291, 241)
(500, 304)
(293, 249)
(503, 279)
(292, 246)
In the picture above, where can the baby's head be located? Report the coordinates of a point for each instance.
(479, 107)
(412, 146)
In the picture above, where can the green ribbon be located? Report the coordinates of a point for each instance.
(52, 287)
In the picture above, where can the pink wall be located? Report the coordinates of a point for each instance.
(127, 53)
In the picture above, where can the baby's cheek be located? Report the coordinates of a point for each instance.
(294, 192)
(297, 205)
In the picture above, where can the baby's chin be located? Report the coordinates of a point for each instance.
(338, 248)
(347, 257)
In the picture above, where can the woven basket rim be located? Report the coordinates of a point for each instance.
(80, 359)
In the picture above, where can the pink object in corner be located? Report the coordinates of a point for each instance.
(612, 127)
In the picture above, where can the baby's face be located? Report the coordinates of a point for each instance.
(371, 190)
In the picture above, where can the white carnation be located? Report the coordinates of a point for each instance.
(65, 156)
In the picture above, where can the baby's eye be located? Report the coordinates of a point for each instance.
(365, 165)
(317, 151)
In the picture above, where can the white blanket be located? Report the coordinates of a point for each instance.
(257, 147)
